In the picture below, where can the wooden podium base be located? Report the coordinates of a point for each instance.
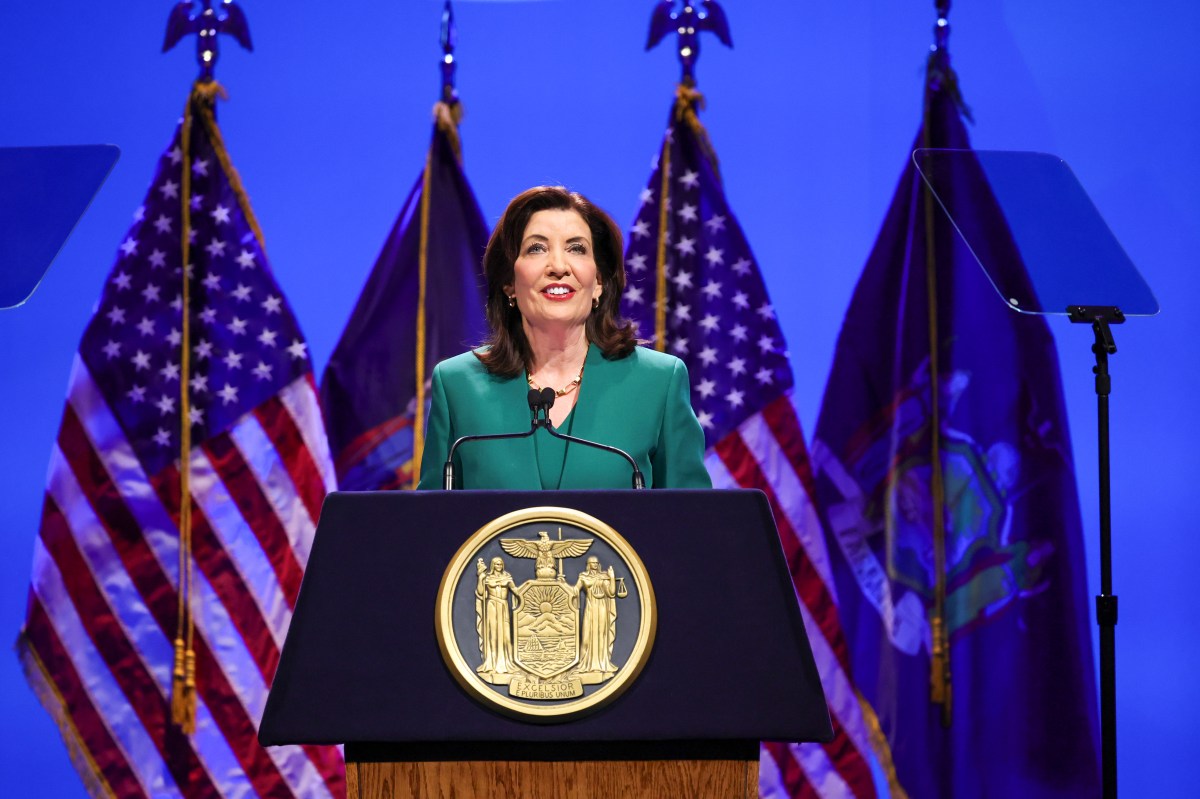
(593, 779)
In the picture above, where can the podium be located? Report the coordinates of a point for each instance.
(729, 666)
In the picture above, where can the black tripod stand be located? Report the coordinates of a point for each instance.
(1100, 317)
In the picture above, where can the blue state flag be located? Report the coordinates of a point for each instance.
(942, 463)
(422, 302)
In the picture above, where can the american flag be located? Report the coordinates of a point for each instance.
(716, 316)
(102, 613)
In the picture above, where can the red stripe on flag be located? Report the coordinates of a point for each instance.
(94, 736)
(256, 509)
(781, 419)
(281, 429)
(791, 776)
(126, 666)
(222, 574)
(330, 765)
(161, 598)
(849, 762)
(364, 443)
(813, 592)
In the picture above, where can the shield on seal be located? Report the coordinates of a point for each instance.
(546, 623)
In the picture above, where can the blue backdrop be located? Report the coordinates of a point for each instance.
(812, 115)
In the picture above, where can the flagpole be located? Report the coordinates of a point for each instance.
(687, 23)
(940, 686)
(205, 24)
(447, 113)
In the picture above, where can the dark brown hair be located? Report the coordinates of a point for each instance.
(509, 351)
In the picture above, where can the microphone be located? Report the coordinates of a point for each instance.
(540, 403)
(546, 400)
(537, 402)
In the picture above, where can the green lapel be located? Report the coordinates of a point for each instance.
(597, 384)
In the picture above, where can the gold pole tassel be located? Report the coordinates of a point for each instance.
(939, 667)
(183, 672)
(687, 101)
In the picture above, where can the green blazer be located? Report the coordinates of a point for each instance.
(640, 403)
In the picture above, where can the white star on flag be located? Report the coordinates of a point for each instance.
(228, 394)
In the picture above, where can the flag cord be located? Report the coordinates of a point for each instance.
(183, 672)
(422, 273)
(660, 261)
(939, 670)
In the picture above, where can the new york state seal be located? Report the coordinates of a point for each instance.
(545, 614)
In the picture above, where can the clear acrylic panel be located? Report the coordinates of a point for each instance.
(43, 194)
(1067, 254)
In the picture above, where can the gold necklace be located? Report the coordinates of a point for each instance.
(558, 392)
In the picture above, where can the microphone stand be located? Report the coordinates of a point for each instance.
(545, 400)
(540, 403)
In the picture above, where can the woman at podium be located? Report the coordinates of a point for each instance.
(555, 277)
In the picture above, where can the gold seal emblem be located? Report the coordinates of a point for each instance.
(545, 613)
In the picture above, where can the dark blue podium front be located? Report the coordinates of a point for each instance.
(730, 666)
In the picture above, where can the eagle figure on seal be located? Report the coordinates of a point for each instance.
(545, 551)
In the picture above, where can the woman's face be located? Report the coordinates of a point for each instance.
(555, 279)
